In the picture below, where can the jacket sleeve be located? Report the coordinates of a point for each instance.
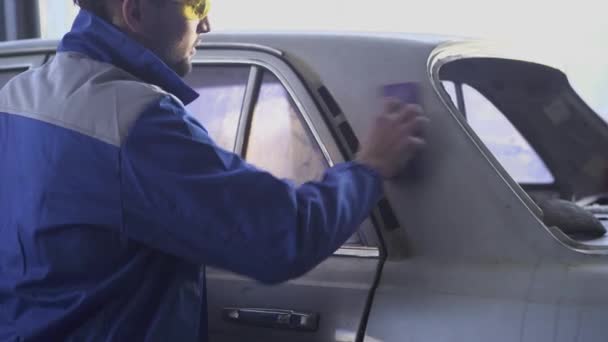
(187, 197)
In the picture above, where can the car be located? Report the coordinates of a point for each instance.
(459, 248)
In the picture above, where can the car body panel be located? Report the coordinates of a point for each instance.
(470, 258)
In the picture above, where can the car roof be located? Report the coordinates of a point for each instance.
(284, 41)
(46, 45)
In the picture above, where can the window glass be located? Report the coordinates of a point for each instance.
(218, 108)
(278, 140)
(6, 75)
(504, 140)
(450, 88)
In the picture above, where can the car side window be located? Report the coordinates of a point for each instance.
(505, 142)
(221, 92)
(280, 142)
(7, 74)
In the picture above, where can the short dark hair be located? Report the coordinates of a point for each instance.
(97, 7)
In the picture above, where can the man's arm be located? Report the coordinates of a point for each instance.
(185, 196)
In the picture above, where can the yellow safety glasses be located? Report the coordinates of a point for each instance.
(195, 9)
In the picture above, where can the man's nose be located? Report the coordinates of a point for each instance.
(204, 26)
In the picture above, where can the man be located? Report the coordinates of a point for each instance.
(113, 197)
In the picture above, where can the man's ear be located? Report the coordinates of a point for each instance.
(204, 26)
(131, 11)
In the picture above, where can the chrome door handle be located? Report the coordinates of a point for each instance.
(272, 318)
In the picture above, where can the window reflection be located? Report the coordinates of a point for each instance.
(504, 141)
(279, 141)
(221, 92)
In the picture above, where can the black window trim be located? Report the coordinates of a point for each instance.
(13, 69)
(252, 90)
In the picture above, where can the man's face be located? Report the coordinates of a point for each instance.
(170, 34)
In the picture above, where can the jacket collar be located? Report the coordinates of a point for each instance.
(99, 40)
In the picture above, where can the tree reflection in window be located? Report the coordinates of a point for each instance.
(221, 92)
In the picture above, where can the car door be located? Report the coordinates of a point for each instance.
(14, 62)
(253, 103)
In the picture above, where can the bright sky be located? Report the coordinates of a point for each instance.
(490, 18)
(578, 28)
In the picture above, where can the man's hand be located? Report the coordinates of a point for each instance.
(394, 139)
